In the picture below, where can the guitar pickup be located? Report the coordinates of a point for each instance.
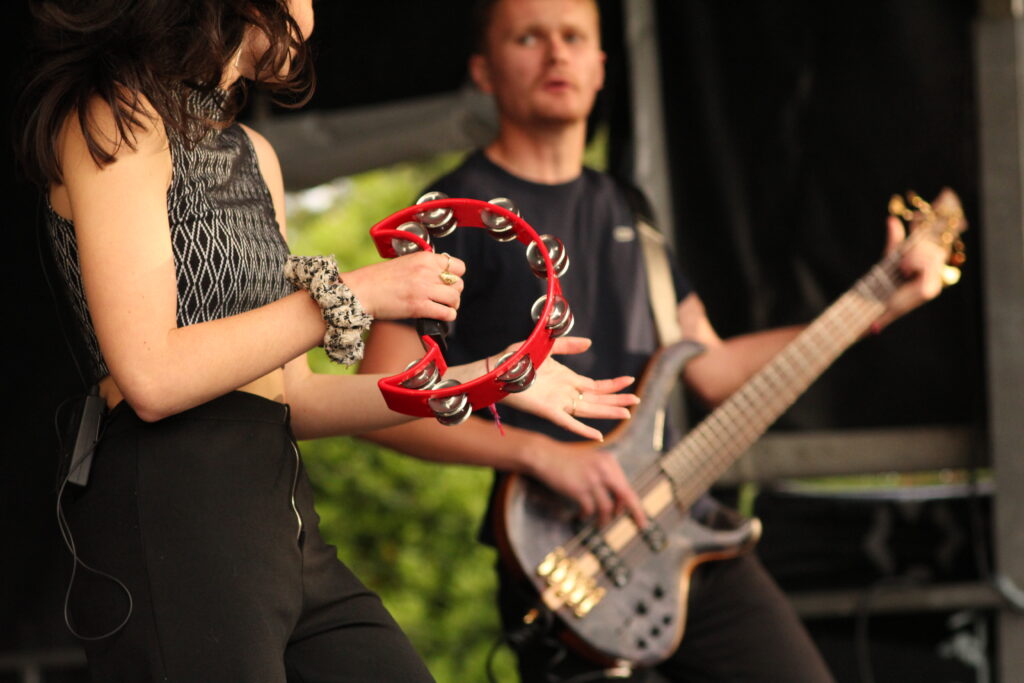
(654, 536)
(612, 565)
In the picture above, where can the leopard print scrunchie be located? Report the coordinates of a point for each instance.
(346, 320)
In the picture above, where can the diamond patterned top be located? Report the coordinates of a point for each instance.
(228, 251)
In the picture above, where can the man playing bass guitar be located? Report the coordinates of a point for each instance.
(542, 61)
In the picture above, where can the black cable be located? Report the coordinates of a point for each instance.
(69, 540)
(537, 629)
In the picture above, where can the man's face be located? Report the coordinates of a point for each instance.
(543, 61)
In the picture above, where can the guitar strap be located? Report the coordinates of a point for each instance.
(661, 294)
(660, 289)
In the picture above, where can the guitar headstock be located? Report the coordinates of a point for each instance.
(942, 221)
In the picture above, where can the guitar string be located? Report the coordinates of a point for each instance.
(785, 380)
(746, 433)
(716, 438)
(859, 307)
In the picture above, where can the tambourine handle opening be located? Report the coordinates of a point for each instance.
(435, 330)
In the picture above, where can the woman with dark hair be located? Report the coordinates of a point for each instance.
(197, 551)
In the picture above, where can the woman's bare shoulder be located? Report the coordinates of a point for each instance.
(95, 138)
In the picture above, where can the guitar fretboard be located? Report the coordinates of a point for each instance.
(711, 447)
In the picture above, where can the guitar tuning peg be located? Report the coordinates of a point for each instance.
(440, 222)
(919, 203)
(403, 247)
(950, 276)
(958, 256)
(898, 208)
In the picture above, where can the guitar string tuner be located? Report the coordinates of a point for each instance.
(403, 247)
(500, 227)
(440, 221)
(556, 252)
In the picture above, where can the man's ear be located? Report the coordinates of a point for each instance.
(480, 72)
(600, 82)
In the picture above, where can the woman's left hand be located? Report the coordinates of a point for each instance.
(561, 396)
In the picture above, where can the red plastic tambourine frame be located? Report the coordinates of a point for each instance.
(486, 389)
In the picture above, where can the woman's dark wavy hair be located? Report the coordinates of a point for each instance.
(165, 50)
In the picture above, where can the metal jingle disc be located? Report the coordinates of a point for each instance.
(444, 230)
(522, 367)
(560, 264)
(559, 311)
(564, 327)
(433, 218)
(440, 222)
(447, 406)
(538, 307)
(403, 247)
(506, 235)
(495, 222)
(556, 252)
(426, 378)
(458, 418)
(521, 384)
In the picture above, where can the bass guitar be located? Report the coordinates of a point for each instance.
(620, 592)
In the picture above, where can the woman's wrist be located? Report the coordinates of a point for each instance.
(341, 310)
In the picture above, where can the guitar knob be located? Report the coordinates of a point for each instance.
(556, 252)
(403, 247)
(440, 221)
(500, 227)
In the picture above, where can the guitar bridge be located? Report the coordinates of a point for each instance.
(579, 592)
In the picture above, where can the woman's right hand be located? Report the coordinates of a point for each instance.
(409, 286)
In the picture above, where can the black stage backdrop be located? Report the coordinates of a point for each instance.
(790, 124)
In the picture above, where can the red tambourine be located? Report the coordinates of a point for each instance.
(419, 389)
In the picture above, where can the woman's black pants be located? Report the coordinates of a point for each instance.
(207, 519)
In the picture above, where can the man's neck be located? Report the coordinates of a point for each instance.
(550, 155)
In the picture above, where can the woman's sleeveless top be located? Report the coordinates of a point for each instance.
(227, 247)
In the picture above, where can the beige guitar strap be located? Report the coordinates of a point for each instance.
(660, 288)
(661, 291)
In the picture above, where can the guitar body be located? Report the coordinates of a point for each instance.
(643, 620)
